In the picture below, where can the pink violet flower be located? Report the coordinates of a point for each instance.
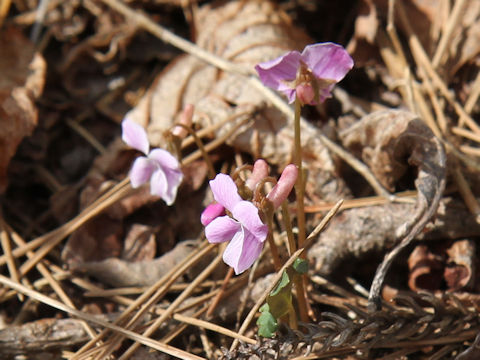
(213, 210)
(245, 230)
(159, 167)
(310, 75)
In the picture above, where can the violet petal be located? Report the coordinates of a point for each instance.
(221, 229)
(327, 61)
(141, 171)
(242, 251)
(273, 73)
(134, 135)
(225, 191)
(247, 214)
(171, 170)
(164, 159)
(159, 185)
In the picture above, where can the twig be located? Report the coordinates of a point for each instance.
(156, 324)
(447, 34)
(167, 349)
(422, 60)
(169, 37)
(54, 284)
(7, 250)
(149, 296)
(466, 193)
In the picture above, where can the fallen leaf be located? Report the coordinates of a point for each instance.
(22, 77)
(139, 243)
(464, 46)
(461, 265)
(426, 269)
(98, 239)
(120, 273)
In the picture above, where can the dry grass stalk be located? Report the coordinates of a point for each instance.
(90, 318)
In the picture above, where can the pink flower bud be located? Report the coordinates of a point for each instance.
(211, 212)
(186, 120)
(305, 94)
(259, 172)
(280, 191)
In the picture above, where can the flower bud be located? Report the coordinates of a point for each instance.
(259, 172)
(185, 120)
(211, 212)
(280, 191)
(305, 94)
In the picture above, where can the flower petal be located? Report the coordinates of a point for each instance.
(225, 191)
(242, 251)
(327, 60)
(159, 185)
(134, 135)
(164, 159)
(247, 214)
(171, 170)
(275, 72)
(211, 212)
(141, 171)
(221, 229)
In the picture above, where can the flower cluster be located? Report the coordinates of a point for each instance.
(244, 228)
(309, 75)
(159, 167)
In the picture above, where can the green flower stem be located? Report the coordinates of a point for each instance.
(300, 185)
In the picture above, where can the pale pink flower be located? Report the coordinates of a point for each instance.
(159, 167)
(245, 230)
(310, 75)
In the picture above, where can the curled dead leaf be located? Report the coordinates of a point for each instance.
(22, 77)
(425, 269)
(461, 265)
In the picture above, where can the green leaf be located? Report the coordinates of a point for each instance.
(280, 299)
(284, 282)
(267, 324)
(300, 266)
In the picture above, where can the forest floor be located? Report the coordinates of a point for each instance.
(92, 268)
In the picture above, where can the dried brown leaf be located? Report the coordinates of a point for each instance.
(426, 269)
(139, 244)
(464, 46)
(391, 142)
(460, 270)
(22, 77)
(98, 239)
(119, 273)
